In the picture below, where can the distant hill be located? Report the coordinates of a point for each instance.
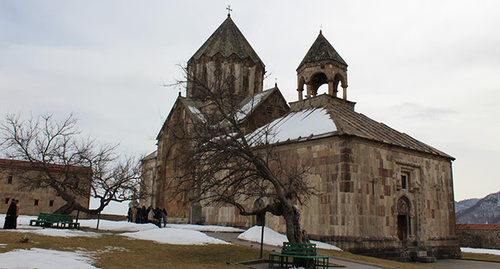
(464, 204)
(485, 210)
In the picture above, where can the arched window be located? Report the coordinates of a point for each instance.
(316, 81)
(338, 79)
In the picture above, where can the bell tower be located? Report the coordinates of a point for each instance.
(321, 65)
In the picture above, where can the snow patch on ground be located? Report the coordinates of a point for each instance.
(22, 220)
(121, 226)
(274, 238)
(44, 259)
(175, 236)
(124, 226)
(481, 251)
(206, 228)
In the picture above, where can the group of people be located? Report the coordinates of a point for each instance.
(12, 214)
(156, 216)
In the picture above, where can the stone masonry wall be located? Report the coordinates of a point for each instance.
(168, 166)
(360, 185)
(479, 235)
(31, 202)
(248, 77)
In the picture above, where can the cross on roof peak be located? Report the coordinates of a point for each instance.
(229, 10)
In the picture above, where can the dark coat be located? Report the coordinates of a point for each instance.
(11, 218)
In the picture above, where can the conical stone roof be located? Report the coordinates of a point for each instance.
(227, 40)
(321, 50)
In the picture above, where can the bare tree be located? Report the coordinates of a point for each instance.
(220, 163)
(67, 163)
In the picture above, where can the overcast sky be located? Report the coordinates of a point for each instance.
(430, 69)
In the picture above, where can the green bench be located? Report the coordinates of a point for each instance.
(55, 221)
(289, 251)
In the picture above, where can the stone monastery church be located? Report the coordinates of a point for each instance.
(381, 192)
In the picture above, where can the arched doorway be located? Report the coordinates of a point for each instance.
(403, 218)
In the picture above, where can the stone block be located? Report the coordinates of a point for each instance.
(346, 186)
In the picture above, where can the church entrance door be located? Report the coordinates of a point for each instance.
(403, 227)
(403, 219)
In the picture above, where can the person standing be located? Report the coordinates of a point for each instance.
(134, 214)
(129, 214)
(17, 214)
(157, 216)
(151, 216)
(164, 216)
(10, 217)
(143, 215)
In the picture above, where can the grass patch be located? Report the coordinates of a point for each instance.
(480, 257)
(112, 251)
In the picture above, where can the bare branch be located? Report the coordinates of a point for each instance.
(216, 161)
(71, 165)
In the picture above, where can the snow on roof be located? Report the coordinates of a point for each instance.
(196, 112)
(150, 156)
(303, 124)
(250, 104)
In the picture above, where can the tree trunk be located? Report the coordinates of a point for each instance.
(66, 209)
(71, 206)
(296, 234)
(294, 231)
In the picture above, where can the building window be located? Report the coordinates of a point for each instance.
(36, 202)
(51, 203)
(409, 176)
(405, 180)
(7, 200)
(9, 179)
